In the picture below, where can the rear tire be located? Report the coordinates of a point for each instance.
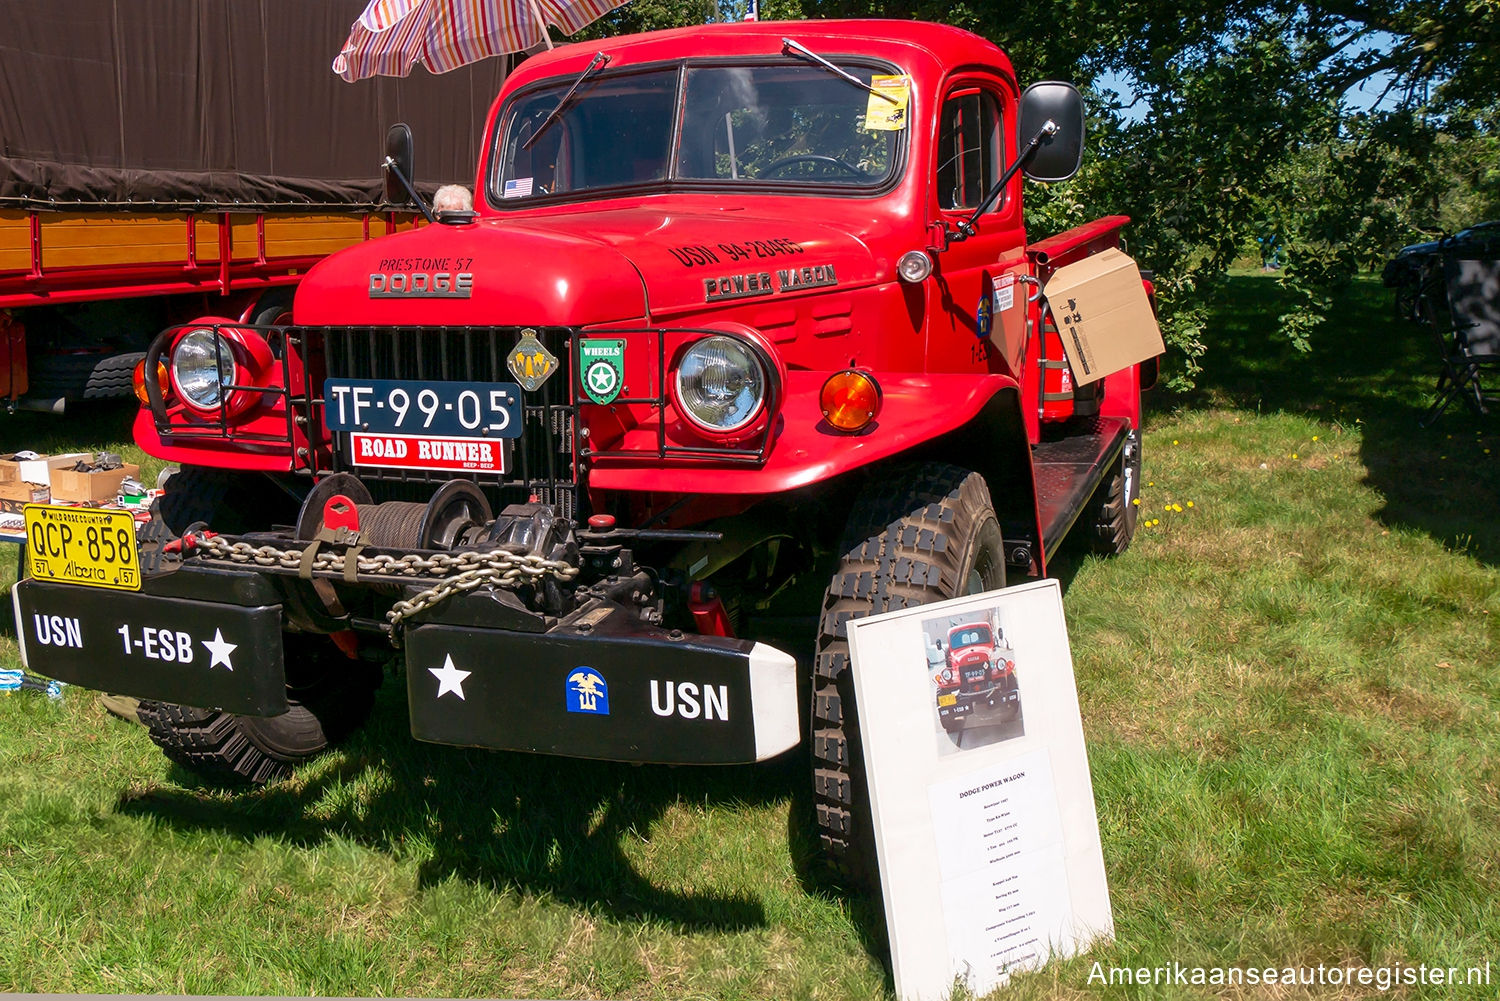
(232, 749)
(918, 535)
(1112, 512)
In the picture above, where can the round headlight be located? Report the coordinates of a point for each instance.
(721, 384)
(202, 365)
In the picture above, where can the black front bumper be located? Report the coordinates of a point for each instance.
(1002, 695)
(221, 654)
(480, 671)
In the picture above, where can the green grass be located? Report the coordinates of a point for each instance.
(1289, 690)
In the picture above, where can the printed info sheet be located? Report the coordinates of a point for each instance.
(978, 779)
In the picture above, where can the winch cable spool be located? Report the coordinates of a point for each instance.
(392, 525)
(457, 510)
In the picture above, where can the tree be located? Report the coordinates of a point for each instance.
(1247, 131)
(1240, 128)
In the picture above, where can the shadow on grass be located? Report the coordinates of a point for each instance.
(549, 826)
(1370, 371)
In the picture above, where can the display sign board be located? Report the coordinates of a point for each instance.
(990, 860)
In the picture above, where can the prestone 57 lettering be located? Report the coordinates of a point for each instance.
(745, 338)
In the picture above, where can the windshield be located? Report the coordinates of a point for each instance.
(971, 636)
(742, 126)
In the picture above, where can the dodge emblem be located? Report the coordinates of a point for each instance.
(421, 285)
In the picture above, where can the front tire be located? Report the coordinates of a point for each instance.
(332, 697)
(226, 500)
(918, 535)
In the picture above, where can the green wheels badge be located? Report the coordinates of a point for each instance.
(602, 364)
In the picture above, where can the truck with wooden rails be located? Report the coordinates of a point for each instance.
(743, 339)
(207, 179)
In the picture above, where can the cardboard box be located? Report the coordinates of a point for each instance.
(1103, 315)
(39, 470)
(92, 488)
(16, 495)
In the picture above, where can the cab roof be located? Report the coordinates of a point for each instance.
(924, 50)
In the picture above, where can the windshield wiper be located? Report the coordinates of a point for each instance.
(599, 61)
(803, 50)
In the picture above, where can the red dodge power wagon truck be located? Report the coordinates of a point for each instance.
(978, 678)
(743, 339)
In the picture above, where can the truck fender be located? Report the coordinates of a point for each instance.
(807, 451)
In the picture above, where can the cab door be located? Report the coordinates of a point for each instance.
(981, 303)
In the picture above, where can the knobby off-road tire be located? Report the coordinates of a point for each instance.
(1111, 515)
(919, 535)
(227, 748)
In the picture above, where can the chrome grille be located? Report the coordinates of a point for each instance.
(541, 463)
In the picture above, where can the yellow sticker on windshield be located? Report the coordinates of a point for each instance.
(889, 96)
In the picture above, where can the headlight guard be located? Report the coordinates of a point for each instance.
(218, 368)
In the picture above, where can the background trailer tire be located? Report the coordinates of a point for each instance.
(919, 534)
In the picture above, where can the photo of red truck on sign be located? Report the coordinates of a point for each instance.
(975, 690)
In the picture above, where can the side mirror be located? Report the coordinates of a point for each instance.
(1059, 155)
(400, 178)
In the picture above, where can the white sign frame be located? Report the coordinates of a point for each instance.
(988, 844)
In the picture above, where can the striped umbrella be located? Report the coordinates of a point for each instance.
(443, 35)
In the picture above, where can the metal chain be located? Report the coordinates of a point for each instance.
(460, 572)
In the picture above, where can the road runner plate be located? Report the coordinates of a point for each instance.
(82, 545)
(420, 451)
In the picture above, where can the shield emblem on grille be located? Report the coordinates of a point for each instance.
(530, 361)
(603, 365)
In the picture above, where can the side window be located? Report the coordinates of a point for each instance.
(969, 150)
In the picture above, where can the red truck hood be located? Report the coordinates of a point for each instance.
(970, 656)
(614, 265)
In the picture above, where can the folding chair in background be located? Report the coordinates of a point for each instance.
(1466, 324)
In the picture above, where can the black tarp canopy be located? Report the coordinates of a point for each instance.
(182, 105)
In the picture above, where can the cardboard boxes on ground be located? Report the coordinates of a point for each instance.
(28, 478)
(96, 486)
(1103, 315)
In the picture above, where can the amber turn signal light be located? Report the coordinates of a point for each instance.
(850, 399)
(139, 379)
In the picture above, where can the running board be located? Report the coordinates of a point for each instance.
(1069, 468)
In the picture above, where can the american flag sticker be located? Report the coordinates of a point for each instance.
(518, 187)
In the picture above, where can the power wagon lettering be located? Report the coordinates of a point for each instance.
(759, 283)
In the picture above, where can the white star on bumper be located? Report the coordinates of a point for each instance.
(450, 678)
(220, 650)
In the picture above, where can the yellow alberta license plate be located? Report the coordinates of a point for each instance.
(947, 700)
(83, 545)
